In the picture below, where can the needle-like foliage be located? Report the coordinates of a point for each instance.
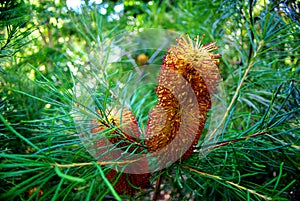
(58, 76)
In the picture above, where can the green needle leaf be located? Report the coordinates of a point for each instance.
(67, 177)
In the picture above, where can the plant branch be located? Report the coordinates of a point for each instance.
(157, 187)
(238, 140)
(92, 163)
(228, 182)
(251, 31)
(235, 96)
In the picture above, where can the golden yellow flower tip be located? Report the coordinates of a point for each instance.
(194, 49)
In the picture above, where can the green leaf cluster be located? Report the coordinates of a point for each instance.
(47, 49)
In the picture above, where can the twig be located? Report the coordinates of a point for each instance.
(157, 187)
(229, 182)
(237, 90)
(251, 31)
(239, 139)
(93, 163)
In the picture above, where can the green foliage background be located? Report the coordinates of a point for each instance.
(44, 45)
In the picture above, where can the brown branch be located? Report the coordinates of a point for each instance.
(92, 163)
(43, 36)
(50, 37)
(238, 140)
(157, 187)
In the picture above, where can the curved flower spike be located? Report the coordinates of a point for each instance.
(188, 78)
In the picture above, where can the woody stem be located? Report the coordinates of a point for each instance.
(235, 96)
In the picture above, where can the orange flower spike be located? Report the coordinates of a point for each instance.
(127, 129)
(187, 66)
(188, 77)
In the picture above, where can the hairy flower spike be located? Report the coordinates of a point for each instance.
(189, 64)
(188, 78)
(126, 131)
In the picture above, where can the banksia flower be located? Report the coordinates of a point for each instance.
(125, 133)
(187, 80)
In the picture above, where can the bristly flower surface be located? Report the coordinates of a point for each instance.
(187, 80)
